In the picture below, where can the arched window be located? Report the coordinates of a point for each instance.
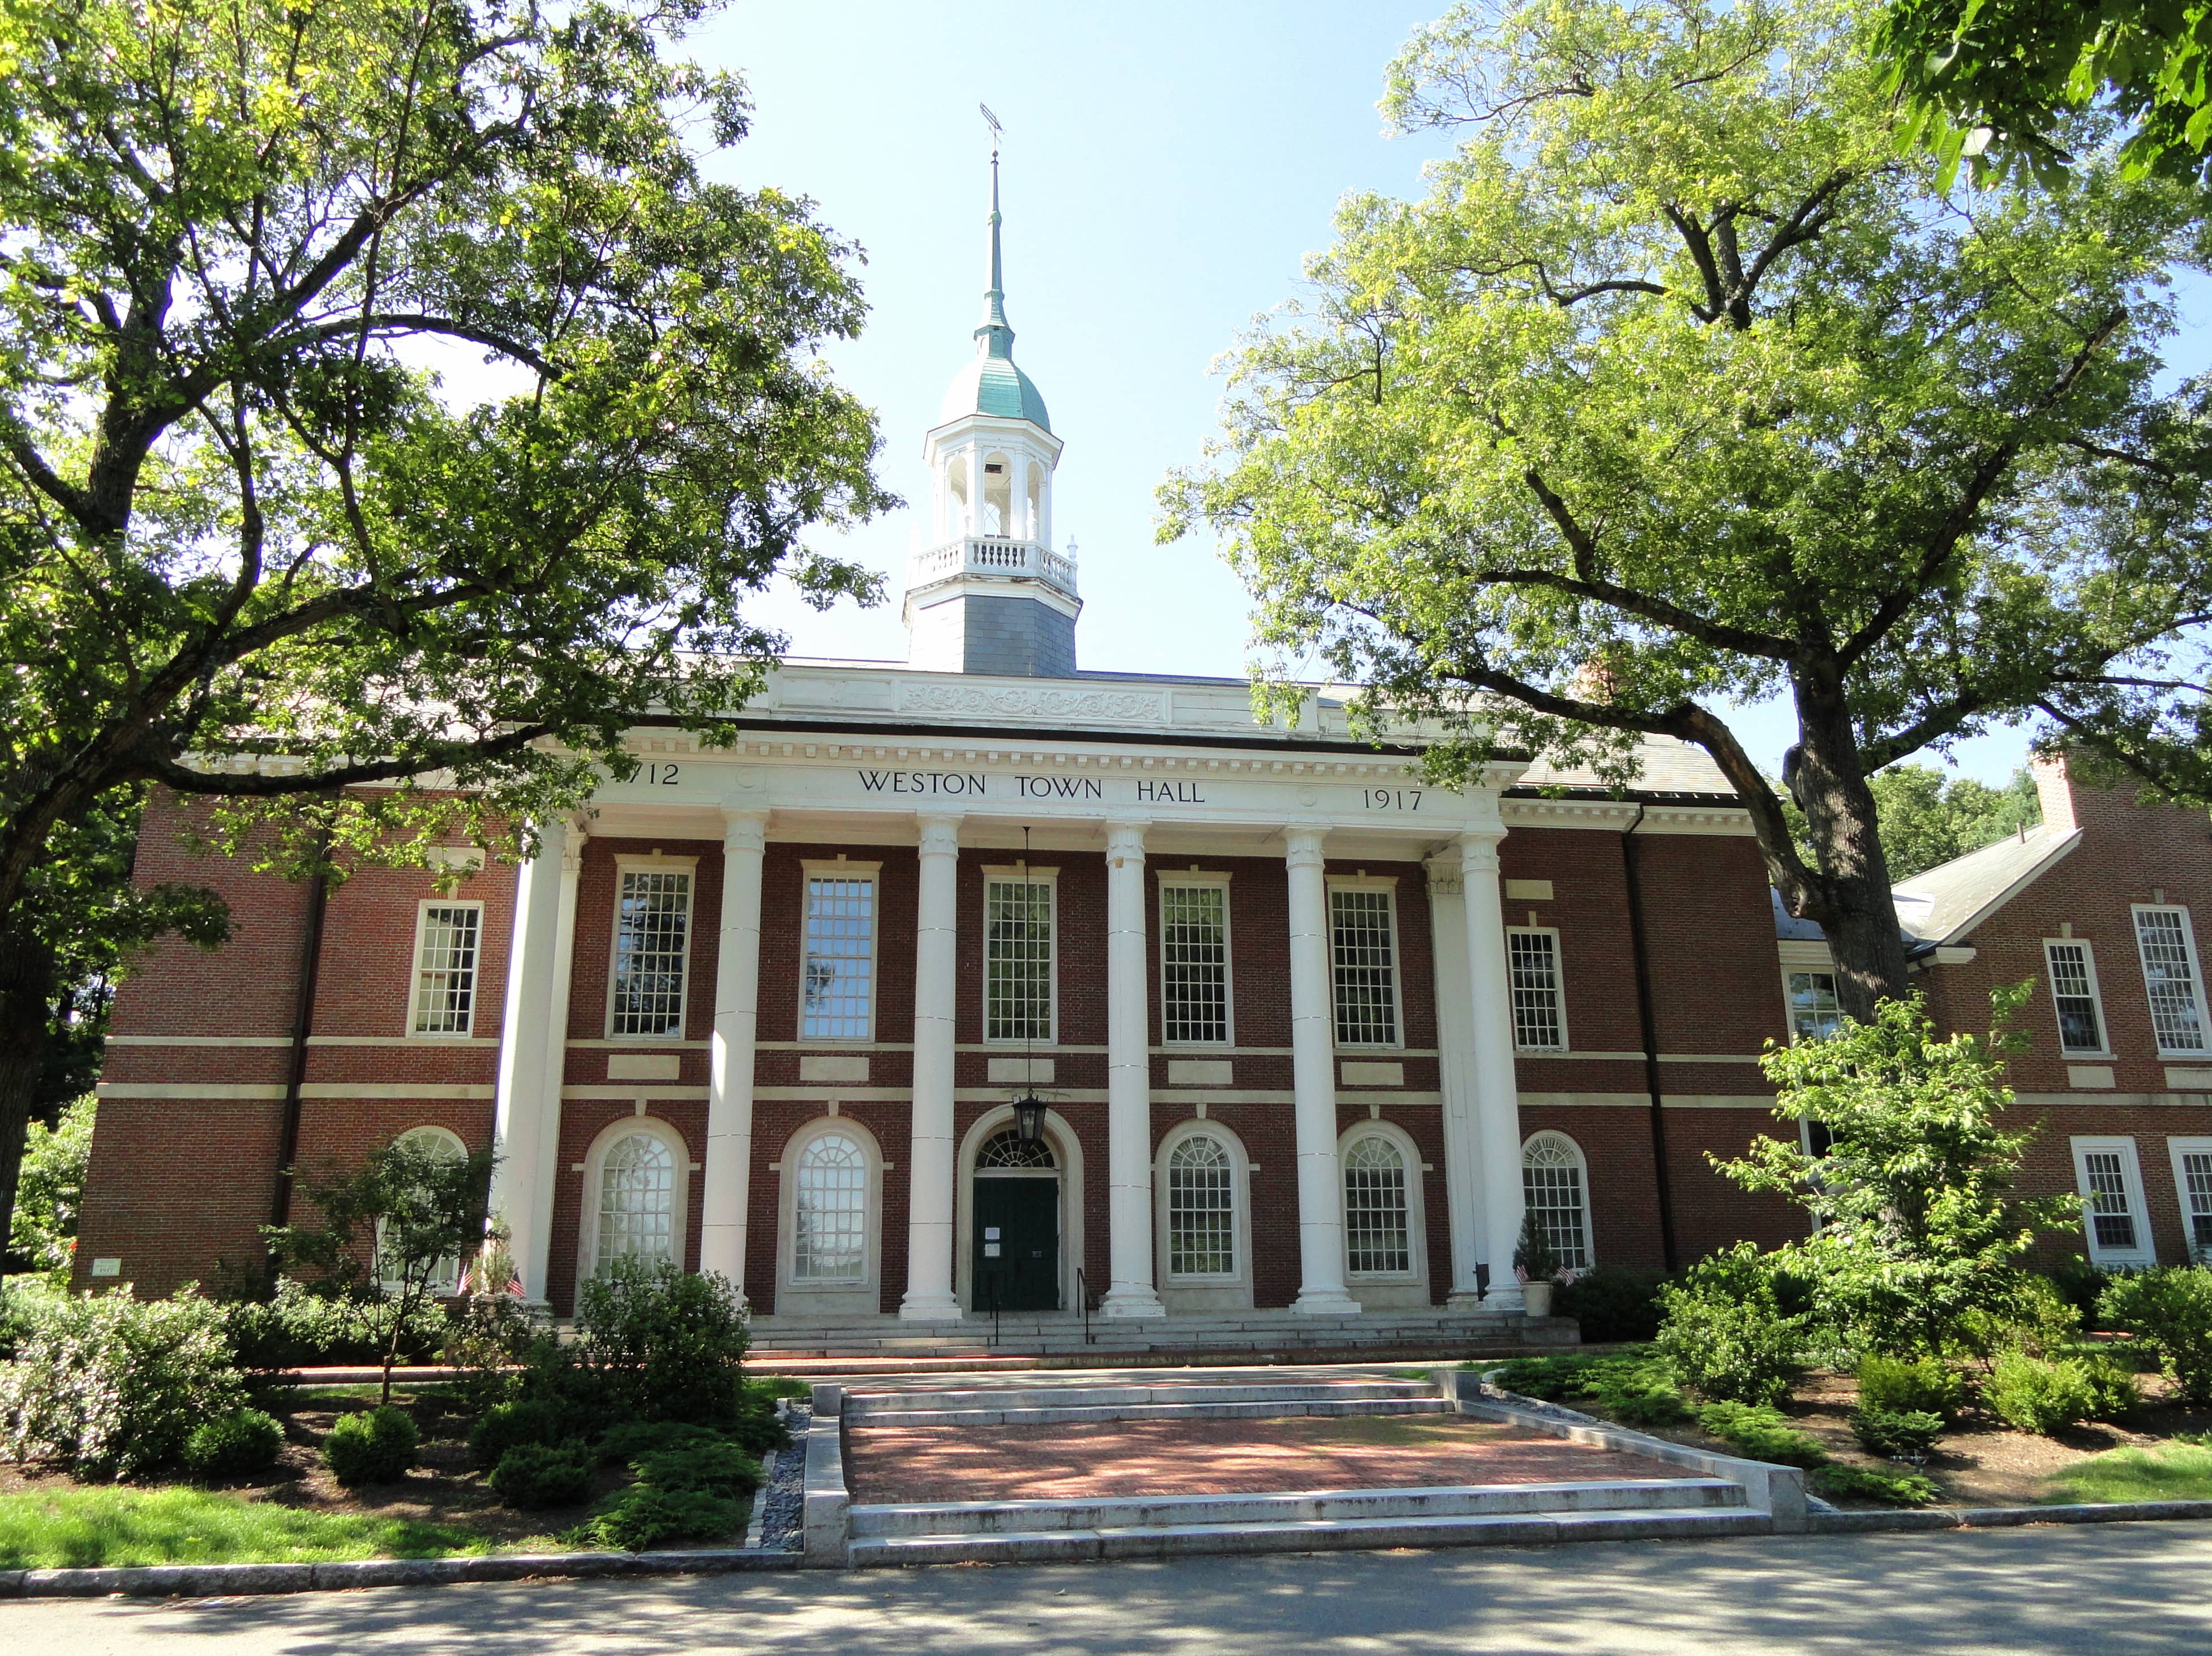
(830, 1212)
(1201, 1208)
(998, 495)
(439, 1144)
(636, 1200)
(1376, 1228)
(1553, 1187)
(1006, 1153)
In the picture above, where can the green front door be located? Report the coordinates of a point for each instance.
(1017, 1244)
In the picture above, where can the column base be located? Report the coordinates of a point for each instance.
(1506, 1299)
(1131, 1301)
(1327, 1302)
(1466, 1300)
(929, 1308)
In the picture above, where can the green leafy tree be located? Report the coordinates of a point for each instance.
(242, 516)
(1917, 1227)
(51, 1189)
(1926, 818)
(1995, 82)
(393, 1235)
(1680, 389)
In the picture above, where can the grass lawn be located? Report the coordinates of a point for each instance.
(2172, 1471)
(82, 1527)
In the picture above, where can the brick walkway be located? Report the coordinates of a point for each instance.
(1214, 1457)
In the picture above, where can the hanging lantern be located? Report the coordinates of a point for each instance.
(1029, 1117)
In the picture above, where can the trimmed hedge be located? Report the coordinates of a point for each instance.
(374, 1446)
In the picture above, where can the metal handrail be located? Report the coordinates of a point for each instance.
(1083, 1304)
(994, 1309)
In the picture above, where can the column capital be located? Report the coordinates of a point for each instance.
(1446, 876)
(941, 833)
(1302, 847)
(1125, 837)
(744, 831)
(1478, 854)
(574, 833)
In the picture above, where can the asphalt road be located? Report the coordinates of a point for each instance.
(2115, 1590)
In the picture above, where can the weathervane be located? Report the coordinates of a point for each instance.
(997, 130)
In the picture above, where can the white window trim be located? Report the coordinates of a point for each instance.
(1234, 1289)
(1558, 992)
(810, 871)
(1387, 884)
(1417, 1227)
(2195, 973)
(595, 1161)
(1184, 882)
(2175, 1149)
(2096, 997)
(415, 976)
(1048, 877)
(447, 1282)
(793, 1295)
(1826, 967)
(2145, 1253)
(626, 862)
(1582, 1164)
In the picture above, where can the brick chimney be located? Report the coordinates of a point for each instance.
(2055, 788)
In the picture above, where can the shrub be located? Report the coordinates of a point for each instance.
(111, 1386)
(715, 1469)
(643, 1516)
(236, 1445)
(755, 1427)
(1891, 1385)
(632, 1439)
(507, 1426)
(1612, 1303)
(1634, 1386)
(305, 1327)
(2039, 1320)
(2079, 1283)
(486, 1341)
(374, 1446)
(1760, 1433)
(657, 1342)
(2170, 1306)
(23, 1302)
(1900, 1489)
(535, 1475)
(1725, 1333)
(1904, 1434)
(2033, 1395)
(1535, 1259)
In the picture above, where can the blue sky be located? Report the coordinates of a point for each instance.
(1166, 168)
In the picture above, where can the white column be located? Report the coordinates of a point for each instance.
(1497, 1090)
(730, 1075)
(1455, 1064)
(529, 1053)
(1313, 1056)
(556, 1071)
(1128, 1080)
(929, 1296)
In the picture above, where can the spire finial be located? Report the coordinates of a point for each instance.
(994, 335)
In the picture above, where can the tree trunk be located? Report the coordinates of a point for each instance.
(1825, 775)
(26, 973)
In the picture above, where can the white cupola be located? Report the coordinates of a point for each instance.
(986, 593)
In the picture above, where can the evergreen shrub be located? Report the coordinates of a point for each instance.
(643, 1516)
(1726, 1333)
(1878, 1482)
(2033, 1394)
(1759, 1432)
(715, 1469)
(629, 1440)
(1894, 1386)
(237, 1445)
(1612, 1303)
(505, 1426)
(376, 1445)
(658, 1342)
(532, 1475)
(1904, 1435)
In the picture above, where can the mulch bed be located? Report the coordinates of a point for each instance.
(886, 1464)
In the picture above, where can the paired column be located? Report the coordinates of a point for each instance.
(1497, 1090)
(723, 1206)
(1128, 1080)
(1312, 1049)
(534, 1049)
(1455, 1065)
(929, 1296)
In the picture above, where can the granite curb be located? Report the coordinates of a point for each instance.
(2003, 1517)
(227, 1580)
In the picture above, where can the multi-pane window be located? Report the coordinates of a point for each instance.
(439, 1146)
(1539, 1021)
(652, 942)
(839, 983)
(2169, 966)
(1552, 1192)
(830, 1212)
(1814, 1012)
(1017, 959)
(1194, 964)
(1363, 965)
(1201, 1208)
(2193, 1175)
(2074, 993)
(2111, 1217)
(1376, 1234)
(637, 1200)
(446, 967)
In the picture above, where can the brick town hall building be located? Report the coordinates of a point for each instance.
(1308, 1035)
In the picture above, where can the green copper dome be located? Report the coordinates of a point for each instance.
(990, 383)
